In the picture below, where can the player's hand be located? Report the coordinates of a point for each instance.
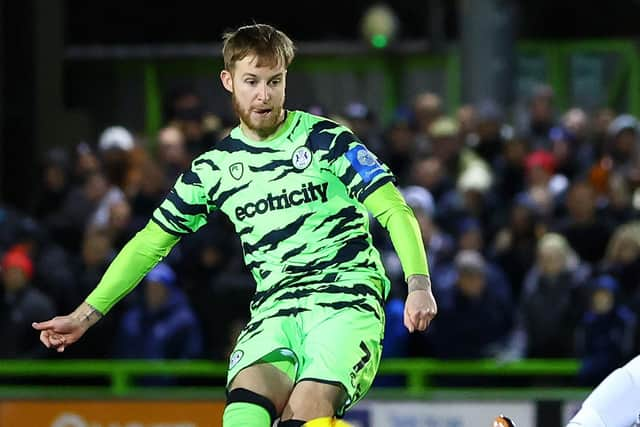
(420, 307)
(62, 331)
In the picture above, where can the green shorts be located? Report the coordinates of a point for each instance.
(324, 344)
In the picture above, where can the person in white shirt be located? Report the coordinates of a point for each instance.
(615, 402)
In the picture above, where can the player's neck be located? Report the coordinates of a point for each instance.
(258, 136)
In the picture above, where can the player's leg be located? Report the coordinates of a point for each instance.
(615, 402)
(338, 360)
(261, 373)
(312, 399)
(257, 396)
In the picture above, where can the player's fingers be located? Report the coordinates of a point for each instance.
(44, 338)
(423, 323)
(41, 326)
(420, 320)
(407, 321)
(57, 340)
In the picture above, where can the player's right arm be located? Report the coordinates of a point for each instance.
(183, 211)
(135, 260)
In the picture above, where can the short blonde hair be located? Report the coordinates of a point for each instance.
(271, 46)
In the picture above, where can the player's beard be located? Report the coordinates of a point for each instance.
(261, 126)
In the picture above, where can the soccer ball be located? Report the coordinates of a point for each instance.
(326, 422)
(503, 421)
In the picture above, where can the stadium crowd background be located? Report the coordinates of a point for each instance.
(531, 221)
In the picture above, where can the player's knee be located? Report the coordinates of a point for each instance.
(244, 396)
(267, 381)
(311, 399)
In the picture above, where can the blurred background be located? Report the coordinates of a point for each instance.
(511, 126)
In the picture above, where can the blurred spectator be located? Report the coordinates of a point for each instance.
(9, 226)
(471, 198)
(601, 121)
(622, 261)
(112, 196)
(617, 206)
(153, 188)
(162, 325)
(573, 152)
(543, 187)
(471, 320)
(552, 301)
(514, 245)
(428, 172)
(400, 145)
(67, 225)
(86, 162)
(470, 237)
(427, 107)
(449, 148)
(586, 234)
(539, 118)
(362, 121)
(172, 153)
(116, 145)
(607, 333)
(21, 304)
(491, 131)
(467, 118)
(509, 169)
(52, 274)
(187, 112)
(97, 253)
(622, 150)
(56, 182)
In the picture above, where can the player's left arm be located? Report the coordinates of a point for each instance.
(388, 206)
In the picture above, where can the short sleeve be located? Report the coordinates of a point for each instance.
(192, 198)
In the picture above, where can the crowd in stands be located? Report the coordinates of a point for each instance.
(531, 221)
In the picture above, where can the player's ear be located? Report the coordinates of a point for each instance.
(227, 80)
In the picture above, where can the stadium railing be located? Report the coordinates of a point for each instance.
(118, 378)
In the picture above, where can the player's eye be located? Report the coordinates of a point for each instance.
(250, 82)
(275, 82)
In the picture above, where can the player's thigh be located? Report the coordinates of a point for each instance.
(270, 339)
(263, 359)
(344, 350)
(312, 399)
(266, 380)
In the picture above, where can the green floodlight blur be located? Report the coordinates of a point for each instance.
(379, 41)
(379, 25)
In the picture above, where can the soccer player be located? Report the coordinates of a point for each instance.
(615, 402)
(299, 189)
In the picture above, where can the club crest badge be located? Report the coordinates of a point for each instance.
(301, 158)
(365, 158)
(235, 358)
(236, 170)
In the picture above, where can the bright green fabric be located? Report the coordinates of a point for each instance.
(337, 346)
(388, 206)
(296, 204)
(242, 414)
(148, 247)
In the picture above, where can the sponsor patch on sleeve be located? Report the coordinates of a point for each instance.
(364, 162)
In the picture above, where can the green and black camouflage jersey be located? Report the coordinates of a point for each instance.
(296, 204)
